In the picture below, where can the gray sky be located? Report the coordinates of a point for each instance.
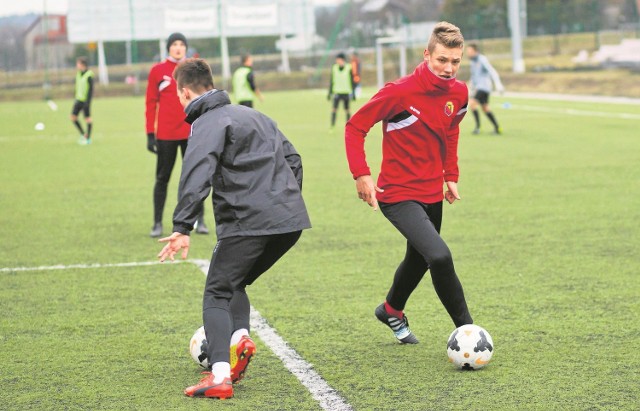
(10, 7)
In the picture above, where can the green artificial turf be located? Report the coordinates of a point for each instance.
(546, 242)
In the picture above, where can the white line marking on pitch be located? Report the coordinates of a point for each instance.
(72, 266)
(328, 397)
(575, 112)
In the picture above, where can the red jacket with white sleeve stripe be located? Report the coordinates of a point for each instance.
(420, 116)
(164, 113)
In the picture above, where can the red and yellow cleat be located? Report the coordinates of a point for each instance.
(207, 388)
(240, 356)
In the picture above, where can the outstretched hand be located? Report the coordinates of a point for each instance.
(175, 243)
(451, 194)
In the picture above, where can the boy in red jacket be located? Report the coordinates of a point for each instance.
(420, 116)
(166, 129)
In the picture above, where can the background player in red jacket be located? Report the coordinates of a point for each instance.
(420, 114)
(166, 129)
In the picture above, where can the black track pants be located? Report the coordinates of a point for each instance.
(167, 154)
(420, 224)
(236, 263)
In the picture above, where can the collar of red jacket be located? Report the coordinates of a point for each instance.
(428, 79)
(174, 61)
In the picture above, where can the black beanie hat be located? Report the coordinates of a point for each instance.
(175, 37)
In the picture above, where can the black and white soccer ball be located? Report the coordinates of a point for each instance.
(198, 348)
(470, 347)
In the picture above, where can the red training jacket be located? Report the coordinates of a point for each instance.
(420, 116)
(164, 113)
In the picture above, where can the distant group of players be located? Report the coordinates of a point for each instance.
(255, 177)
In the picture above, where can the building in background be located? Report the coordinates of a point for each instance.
(46, 43)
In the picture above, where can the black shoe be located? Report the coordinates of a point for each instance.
(400, 327)
(156, 230)
(201, 227)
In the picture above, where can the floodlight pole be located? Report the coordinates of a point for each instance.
(224, 46)
(284, 53)
(133, 45)
(516, 35)
(305, 31)
(45, 21)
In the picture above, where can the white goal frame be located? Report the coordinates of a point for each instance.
(401, 45)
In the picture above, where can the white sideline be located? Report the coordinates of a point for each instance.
(72, 266)
(584, 98)
(327, 397)
(576, 112)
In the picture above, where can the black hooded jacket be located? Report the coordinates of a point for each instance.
(255, 172)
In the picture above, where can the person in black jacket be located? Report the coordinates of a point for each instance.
(256, 176)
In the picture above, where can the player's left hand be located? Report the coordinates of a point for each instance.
(175, 242)
(152, 144)
(367, 191)
(451, 194)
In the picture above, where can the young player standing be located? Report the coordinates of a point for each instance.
(483, 76)
(420, 114)
(340, 87)
(256, 176)
(244, 83)
(166, 129)
(84, 92)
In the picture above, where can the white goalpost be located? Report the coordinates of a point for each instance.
(385, 41)
(410, 35)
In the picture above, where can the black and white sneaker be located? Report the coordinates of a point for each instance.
(399, 326)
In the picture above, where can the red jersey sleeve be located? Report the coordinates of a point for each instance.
(380, 107)
(152, 99)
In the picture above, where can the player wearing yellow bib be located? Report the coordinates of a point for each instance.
(340, 87)
(84, 92)
(244, 84)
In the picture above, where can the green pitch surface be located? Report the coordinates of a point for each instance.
(546, 242)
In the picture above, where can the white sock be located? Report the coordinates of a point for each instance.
(237, 336)
(220, 371)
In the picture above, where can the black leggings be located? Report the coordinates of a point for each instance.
(167, 153)
(337, 98)
(236, 263)
(420, 224)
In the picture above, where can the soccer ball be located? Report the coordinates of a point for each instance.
(198, 348)
(470, 347)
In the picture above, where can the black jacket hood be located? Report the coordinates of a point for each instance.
(210, 100)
